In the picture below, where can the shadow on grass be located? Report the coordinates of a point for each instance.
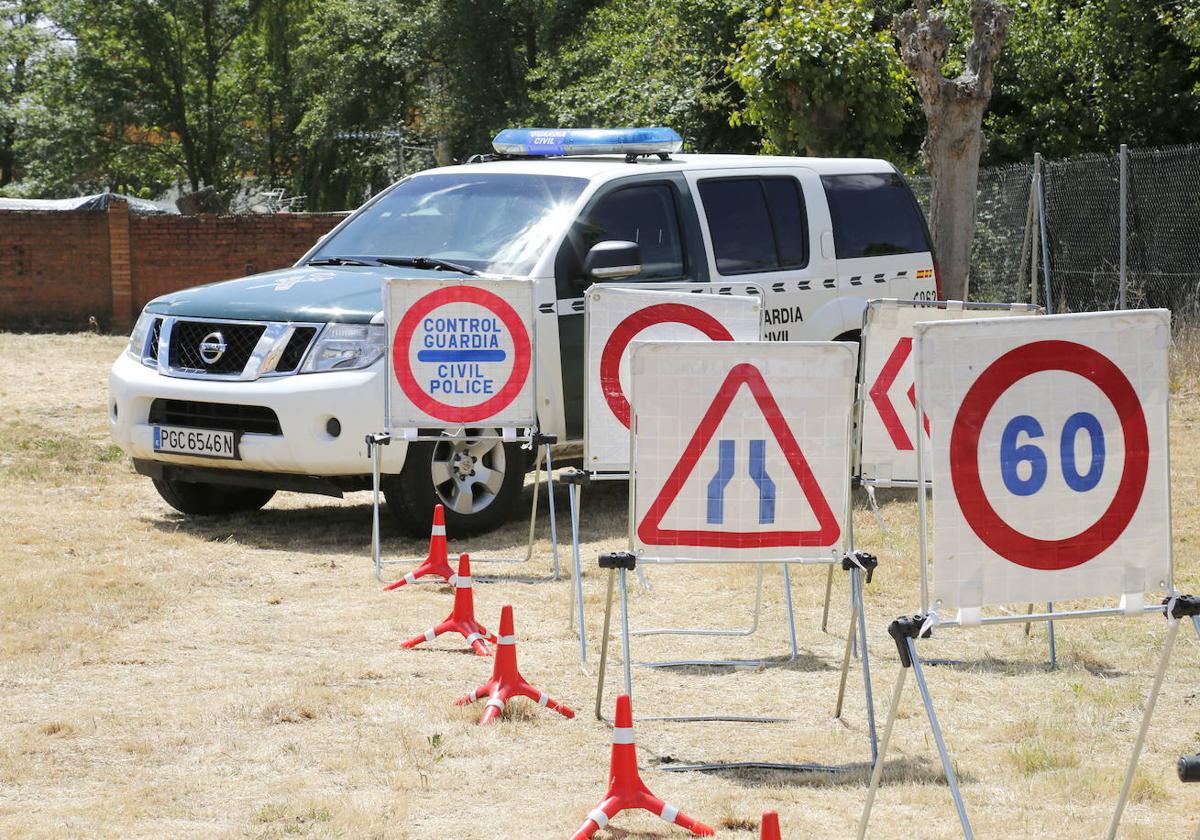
(906, 770)
(1014, 667)
(337, 528)
(804, 662)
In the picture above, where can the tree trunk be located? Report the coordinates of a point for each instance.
(954, 111)
(951, 154)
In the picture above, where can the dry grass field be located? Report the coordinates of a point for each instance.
(241, 677)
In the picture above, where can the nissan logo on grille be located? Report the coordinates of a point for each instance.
(212, 348)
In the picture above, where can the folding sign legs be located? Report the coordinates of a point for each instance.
(541, 444)
(373, 443)
(1049, 633)
(858, 624)
(574, 482)
(905, 631)
(1177, 607)
(617, 564)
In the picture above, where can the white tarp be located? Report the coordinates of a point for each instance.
(618, 316)
(1049, 457)
(460, 353)
(887, 449)
(741, 449)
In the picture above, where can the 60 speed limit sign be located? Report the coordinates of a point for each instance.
(1049, 456)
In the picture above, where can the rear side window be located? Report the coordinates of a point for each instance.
(642, 214)
(874, 215)
(756, 224)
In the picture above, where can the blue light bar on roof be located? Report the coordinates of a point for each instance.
(553, 142)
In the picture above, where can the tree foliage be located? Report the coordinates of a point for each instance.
(822, 78)
(335, 98)
(649, 62)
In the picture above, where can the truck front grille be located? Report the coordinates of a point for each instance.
(254, 419)
(239, 340)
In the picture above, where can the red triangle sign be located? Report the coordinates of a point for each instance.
(650, 530)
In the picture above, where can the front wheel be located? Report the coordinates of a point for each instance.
(204, 499)
(477, 480)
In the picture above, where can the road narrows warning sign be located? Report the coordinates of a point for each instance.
(618, 316)
(1048, 453)
(741, 450)
(461, 353)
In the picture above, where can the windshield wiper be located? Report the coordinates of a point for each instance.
(342, 261)
(428, 263)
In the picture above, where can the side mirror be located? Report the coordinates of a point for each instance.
(613, 260)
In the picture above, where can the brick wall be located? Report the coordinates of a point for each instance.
(57, 269)
(54, 270)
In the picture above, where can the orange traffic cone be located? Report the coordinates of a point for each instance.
(625, 786)
(507, 682)
(462, 618)
(770, 826)
(438, 561)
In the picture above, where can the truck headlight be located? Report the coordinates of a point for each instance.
(347, 347)
(137, 339)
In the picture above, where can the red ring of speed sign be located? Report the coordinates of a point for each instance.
(461, 413)
(998, 377)
(627, 330)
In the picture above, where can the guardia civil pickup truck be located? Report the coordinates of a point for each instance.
(233, 391)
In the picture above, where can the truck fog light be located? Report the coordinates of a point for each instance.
(333, 427)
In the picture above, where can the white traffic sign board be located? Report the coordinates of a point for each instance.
(741, 449)
(887, 451)
(460, 353)
(1049, 457)
(618, 316)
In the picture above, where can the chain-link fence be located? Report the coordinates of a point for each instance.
(1081, 202)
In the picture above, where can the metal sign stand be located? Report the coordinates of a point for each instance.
(856, 563)
(575, 480)
(542, 443)
(531, 436)
(872, 483)
(907, 630)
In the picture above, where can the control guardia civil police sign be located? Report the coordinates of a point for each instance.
(461, 353)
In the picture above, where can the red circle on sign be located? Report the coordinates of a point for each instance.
(461, 413)
(627, 330)
(998, 377)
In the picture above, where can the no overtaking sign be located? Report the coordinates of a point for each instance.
(461, 353)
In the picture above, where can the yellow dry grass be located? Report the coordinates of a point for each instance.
(241, 677)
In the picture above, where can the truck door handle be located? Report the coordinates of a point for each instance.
(827, 251)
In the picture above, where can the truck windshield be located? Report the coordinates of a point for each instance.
(488, 221)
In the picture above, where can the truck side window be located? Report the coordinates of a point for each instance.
(756, 224)
(874, 215)
(643, 214)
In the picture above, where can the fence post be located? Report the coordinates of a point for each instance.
(120, 275)
(1040, 179)
(1123, 293)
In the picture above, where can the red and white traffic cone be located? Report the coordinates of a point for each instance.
(462, 618)
(507, 682)
(770, 826)
(438, 561)
(626, 789)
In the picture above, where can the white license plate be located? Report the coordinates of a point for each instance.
(208, 443)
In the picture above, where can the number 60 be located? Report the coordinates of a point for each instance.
(1011, 454)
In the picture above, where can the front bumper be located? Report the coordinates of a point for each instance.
(304, 404)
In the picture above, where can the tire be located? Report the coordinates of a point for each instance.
(479, 495)
(198, 499)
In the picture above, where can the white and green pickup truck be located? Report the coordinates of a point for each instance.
(233, 391)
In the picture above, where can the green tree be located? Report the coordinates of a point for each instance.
(1088, 75)
(167, 71)
(823, 78)
(650, 62)
(24, 44)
